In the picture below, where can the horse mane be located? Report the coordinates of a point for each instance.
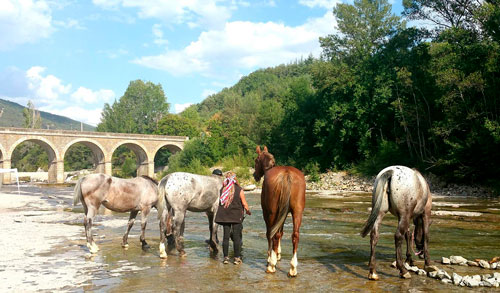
(150, 179)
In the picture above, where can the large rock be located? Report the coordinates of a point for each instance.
(472, 263)
(457, 279)
(471, 281)
(456, 260)
(494, 265)
(445, 260)
(484, 264)
(421, 272)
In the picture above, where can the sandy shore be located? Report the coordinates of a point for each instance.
(31, 256)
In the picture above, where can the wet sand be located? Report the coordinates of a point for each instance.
(42, 247)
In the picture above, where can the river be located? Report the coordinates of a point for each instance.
(332, 256)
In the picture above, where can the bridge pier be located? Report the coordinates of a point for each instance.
(7, 179)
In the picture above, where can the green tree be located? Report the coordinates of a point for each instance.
(138, 111)
(31, 116)
(173, 124)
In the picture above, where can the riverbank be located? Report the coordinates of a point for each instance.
(344, 181)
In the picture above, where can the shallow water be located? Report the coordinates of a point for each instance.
(332, 256)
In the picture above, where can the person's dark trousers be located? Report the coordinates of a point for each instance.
(237, 232)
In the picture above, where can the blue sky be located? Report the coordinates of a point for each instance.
(70, 57)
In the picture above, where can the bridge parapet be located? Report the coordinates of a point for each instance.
(102, 144)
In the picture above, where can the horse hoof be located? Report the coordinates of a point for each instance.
(292, 274)
(279, 257)
(92, 248)
(406, 275)
(270, 270)
(373, 277)
(145, 247)
(125, 245)
(163, 255)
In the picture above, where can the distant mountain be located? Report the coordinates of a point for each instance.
(12, 116)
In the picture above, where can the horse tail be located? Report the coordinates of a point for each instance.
(161, 206)
(282, 188)
(377, 199)
(77, 194)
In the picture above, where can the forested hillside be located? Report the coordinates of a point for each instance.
(12, 116)
(381, 93)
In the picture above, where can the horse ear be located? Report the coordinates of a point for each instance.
(265, 149)
(258, 149)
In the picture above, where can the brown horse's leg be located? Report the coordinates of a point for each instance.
(408, 239)
(373, 243)
(144, 222)
(398, 239)
(280, 233)
(297, 221)
(273, 254)
(213, 232)
(88, 219)
(131, 221)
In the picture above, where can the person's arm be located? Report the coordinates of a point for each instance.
(244, 202)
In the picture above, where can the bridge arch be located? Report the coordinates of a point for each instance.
(99, 153)
(143, 157)
(48, 147)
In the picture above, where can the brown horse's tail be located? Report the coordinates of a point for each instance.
(377, 199)
(282, 189)
(77, 194)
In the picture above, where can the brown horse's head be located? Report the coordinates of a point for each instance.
(263, 162)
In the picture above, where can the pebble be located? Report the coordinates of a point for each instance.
(445, 260)
(494, 265)
(421, 272)
(457, 279)
(472, 263)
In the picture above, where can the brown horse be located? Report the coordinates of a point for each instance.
(283, 191)
(119, 195)
(405, 193)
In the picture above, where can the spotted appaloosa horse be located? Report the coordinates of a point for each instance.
(180, 192)
(405, 193)
(283, 191)
(119, 195)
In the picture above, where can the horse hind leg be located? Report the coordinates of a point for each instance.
(178, 231)
(213, 233)
(144, 222)
(374, 234)
(88, 219)
(272, 254)
(163, 232)
(398, 239)
(131, 221)
(408, 238)
(297, 221)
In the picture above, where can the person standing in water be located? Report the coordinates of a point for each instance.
(232, 205)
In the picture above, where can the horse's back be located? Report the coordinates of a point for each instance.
(409, 190)
(192, 191)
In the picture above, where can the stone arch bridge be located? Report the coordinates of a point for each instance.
(102, 144)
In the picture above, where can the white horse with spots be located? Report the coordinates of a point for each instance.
(405, 193)
(180, 192)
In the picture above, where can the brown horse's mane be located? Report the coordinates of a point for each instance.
(150, 179)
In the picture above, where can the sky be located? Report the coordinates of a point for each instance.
(70, 57)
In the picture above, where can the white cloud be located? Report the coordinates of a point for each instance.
(243, 45)
(45, 87)
(87, 96)
(89, 116)
(70, 23)
(328, 4)
(51, 94)
(181, 107)
(23, 22)
(158, 34)
(194, 13)
(207, 92)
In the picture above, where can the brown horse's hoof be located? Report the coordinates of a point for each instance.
(406, 275)
(291, 276)
(125, 245)
(373, 277)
